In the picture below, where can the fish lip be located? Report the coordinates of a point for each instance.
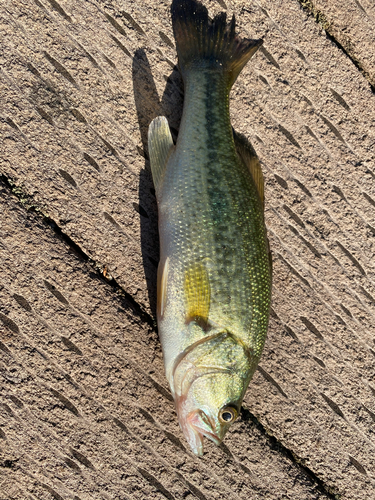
(202, 425)
(195, 425)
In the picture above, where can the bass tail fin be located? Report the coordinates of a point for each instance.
(204, 43)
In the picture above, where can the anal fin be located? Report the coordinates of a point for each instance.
(160, 145)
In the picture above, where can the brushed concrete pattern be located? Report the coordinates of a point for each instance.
(85, 410)
(352, 24)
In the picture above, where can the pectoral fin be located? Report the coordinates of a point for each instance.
(248, 155)
(197, 294)
(160, 146)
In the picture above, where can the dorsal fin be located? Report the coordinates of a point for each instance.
(197, 294)
(160, 145)
(248, 155)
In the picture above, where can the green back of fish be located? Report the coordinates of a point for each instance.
(217, 212)
(210, 190)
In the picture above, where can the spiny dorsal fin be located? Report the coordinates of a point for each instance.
(197, 293)
(160, 145)
(248, 155)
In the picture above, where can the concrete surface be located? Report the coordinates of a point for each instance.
(85, 411)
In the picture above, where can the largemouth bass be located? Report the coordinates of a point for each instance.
(214, 275)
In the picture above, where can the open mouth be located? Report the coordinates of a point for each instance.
(201, 426)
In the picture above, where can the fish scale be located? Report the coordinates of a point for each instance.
(214, 276)
(213, 191)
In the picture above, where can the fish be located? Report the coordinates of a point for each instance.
(214, 275)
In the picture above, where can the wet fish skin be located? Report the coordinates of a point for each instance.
(214, 276)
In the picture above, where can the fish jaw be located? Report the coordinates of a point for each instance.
(196, 425)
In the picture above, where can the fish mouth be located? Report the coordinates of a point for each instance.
(199, 426)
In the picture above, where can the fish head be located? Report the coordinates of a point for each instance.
(209, 408)
(209, 385)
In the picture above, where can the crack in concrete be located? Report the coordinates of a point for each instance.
(321, 19)
(27, 202)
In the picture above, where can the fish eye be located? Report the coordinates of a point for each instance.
(228, 414)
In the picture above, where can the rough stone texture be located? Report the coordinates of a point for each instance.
(86, 412)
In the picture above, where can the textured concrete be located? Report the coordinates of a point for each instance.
(85, 411)
(352, 24)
